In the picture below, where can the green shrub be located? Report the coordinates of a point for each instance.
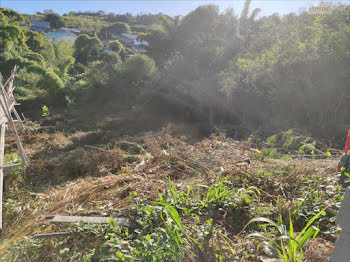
(139, 28)
(35, 68)
(139, 68)
(52, 83)
(283, 240)
(112, 58)
(116, 46)
(34, 57)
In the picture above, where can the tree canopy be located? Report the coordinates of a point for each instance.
(259, 72)
(55, 20)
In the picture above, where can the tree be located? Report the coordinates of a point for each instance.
(12, 17)
(139, 68)
(35, 41)
(162, 38)
(115, 30)
(116, 46)
(54, 19)
(64, 52)
(205, 43)
(199, 22)
(137, 74)
(291, 72)
(247, 23)
(87, 49)
(52, 83)
(10, 30)
(139, 28)
(104, 73)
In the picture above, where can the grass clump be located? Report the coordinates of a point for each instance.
(282, 240)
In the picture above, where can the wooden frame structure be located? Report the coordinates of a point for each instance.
(7, 112)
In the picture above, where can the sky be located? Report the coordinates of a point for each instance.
(172, 8)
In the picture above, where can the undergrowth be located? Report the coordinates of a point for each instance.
(184, 202)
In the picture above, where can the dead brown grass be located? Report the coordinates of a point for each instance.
(102, 180)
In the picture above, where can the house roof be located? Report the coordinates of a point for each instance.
(133, 38)
(128, 37)
(41, 24)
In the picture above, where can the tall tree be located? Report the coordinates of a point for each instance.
(114, 31)
(247, 23)
(55, 20)
(87, 49)
(162, 38)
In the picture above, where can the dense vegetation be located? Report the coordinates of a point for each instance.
(187, 197)
(244, 72)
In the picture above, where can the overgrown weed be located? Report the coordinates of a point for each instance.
(183, 200)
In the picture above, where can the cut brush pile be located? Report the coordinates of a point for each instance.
(183, 201)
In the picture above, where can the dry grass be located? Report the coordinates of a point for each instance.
(102, 180)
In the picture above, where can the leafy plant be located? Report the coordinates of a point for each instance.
(217, 193)
(308, 147)
(45, 111)
(288, 247)
(175, 230)
(288, 138)
(272, 139)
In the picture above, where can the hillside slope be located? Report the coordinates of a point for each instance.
(216, 185)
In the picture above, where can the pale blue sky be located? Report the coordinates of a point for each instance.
(179, 7)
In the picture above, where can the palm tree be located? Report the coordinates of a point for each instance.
(246, 22)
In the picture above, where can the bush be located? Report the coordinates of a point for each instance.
(139, 28)
(116, 46)
(110, 57)
(35, 57)
(119, 28)
(87, 49)
(52, 83)
(139, 68)
(35, 68)
(98, 75)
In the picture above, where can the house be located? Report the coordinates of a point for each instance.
(39, 26)
(61, 36)
(131, 41)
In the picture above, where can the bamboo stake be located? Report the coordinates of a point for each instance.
(2, 148)
(7, 112)
(12, 76)
(7, 96)
(7, 106)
